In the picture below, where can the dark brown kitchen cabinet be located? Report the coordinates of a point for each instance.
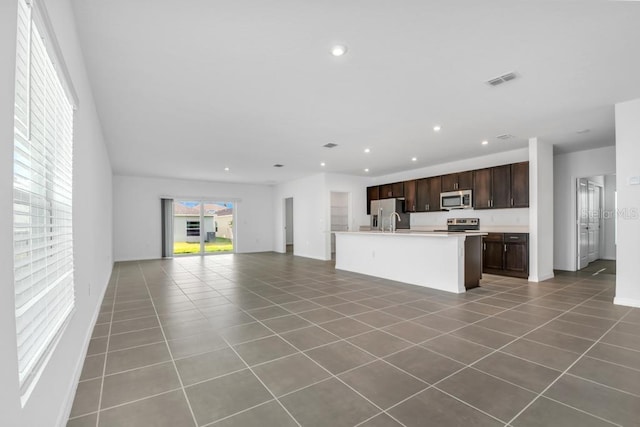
(388, 191)
(482, 188)
(516, 254)
(492, 187)
(492, 252)
(373, 193)
(506, 254)
(520, 185)
(457, 181)
(410, 196)
(428, 194)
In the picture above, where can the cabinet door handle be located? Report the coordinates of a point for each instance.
(511, 201)
(505, 248)
(484, 246)
(488, 203)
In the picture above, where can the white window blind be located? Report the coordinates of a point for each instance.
(42, 200)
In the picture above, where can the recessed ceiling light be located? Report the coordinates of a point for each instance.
(322, 164)
(278, 165)
(584, 131)
(485, 142)
(414, 159)
(366, 170)
(437, 128)
(330, 145)
(226, 169)
(338, 50)
(367, 150)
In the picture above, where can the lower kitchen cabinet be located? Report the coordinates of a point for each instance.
(506, 254)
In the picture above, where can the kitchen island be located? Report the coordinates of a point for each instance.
(448, 261)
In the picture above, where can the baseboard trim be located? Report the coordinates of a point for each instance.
(64, 414)
(541, 278)
(629, 302)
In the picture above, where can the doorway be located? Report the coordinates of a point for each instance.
(288, 225)
(339, 216)
(595, 199)
(202, 227)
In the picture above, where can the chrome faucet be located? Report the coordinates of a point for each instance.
(392, 223)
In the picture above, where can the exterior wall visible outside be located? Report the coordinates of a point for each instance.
(224, 225)
(180, 227)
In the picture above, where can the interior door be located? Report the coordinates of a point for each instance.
(583, 223)
(594, 222)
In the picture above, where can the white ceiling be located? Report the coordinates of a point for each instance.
(185, 88)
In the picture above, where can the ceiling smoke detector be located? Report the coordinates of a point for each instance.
(278, 165)
(505, 136)
(496, 81)
(330, 145)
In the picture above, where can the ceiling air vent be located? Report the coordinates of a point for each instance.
(278, 165)
(505, 136)
(502, 79)
(330, 145)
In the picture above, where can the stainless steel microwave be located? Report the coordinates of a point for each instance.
(462, 199)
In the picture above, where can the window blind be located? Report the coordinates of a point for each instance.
(42, 200)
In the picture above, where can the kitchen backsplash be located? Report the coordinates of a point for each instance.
(488, 218)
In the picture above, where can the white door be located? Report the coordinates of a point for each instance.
(594, 222)
(583, 223)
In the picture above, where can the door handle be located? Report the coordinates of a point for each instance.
(505, 248)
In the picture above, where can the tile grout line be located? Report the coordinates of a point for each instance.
(253, 373)
(175, 367)
(471, 365)
(395, 304)
(104, 366)
(567, 370)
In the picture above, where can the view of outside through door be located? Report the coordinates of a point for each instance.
(202, 227)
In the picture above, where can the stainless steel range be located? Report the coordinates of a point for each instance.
(462, 224)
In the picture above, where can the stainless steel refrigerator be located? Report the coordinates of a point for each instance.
(382, 215)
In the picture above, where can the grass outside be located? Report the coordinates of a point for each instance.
(219, 245)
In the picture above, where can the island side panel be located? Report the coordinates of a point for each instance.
(426, 260)
(472, 261)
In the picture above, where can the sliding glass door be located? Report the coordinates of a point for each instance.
(201, 227)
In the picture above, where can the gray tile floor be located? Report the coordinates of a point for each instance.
(276, 340)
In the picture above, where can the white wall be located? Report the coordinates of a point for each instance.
(541, 236)
(51, 400)
(137, 219)
(309, 218)
(627, 166)
(609, 222)
(567, 169)
(312, 211)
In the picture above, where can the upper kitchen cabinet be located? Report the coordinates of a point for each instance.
(520, 185)
(410, 196)
(428, 194)
(373, 193)
(457, 181)
(492, 187)
(388, 191)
